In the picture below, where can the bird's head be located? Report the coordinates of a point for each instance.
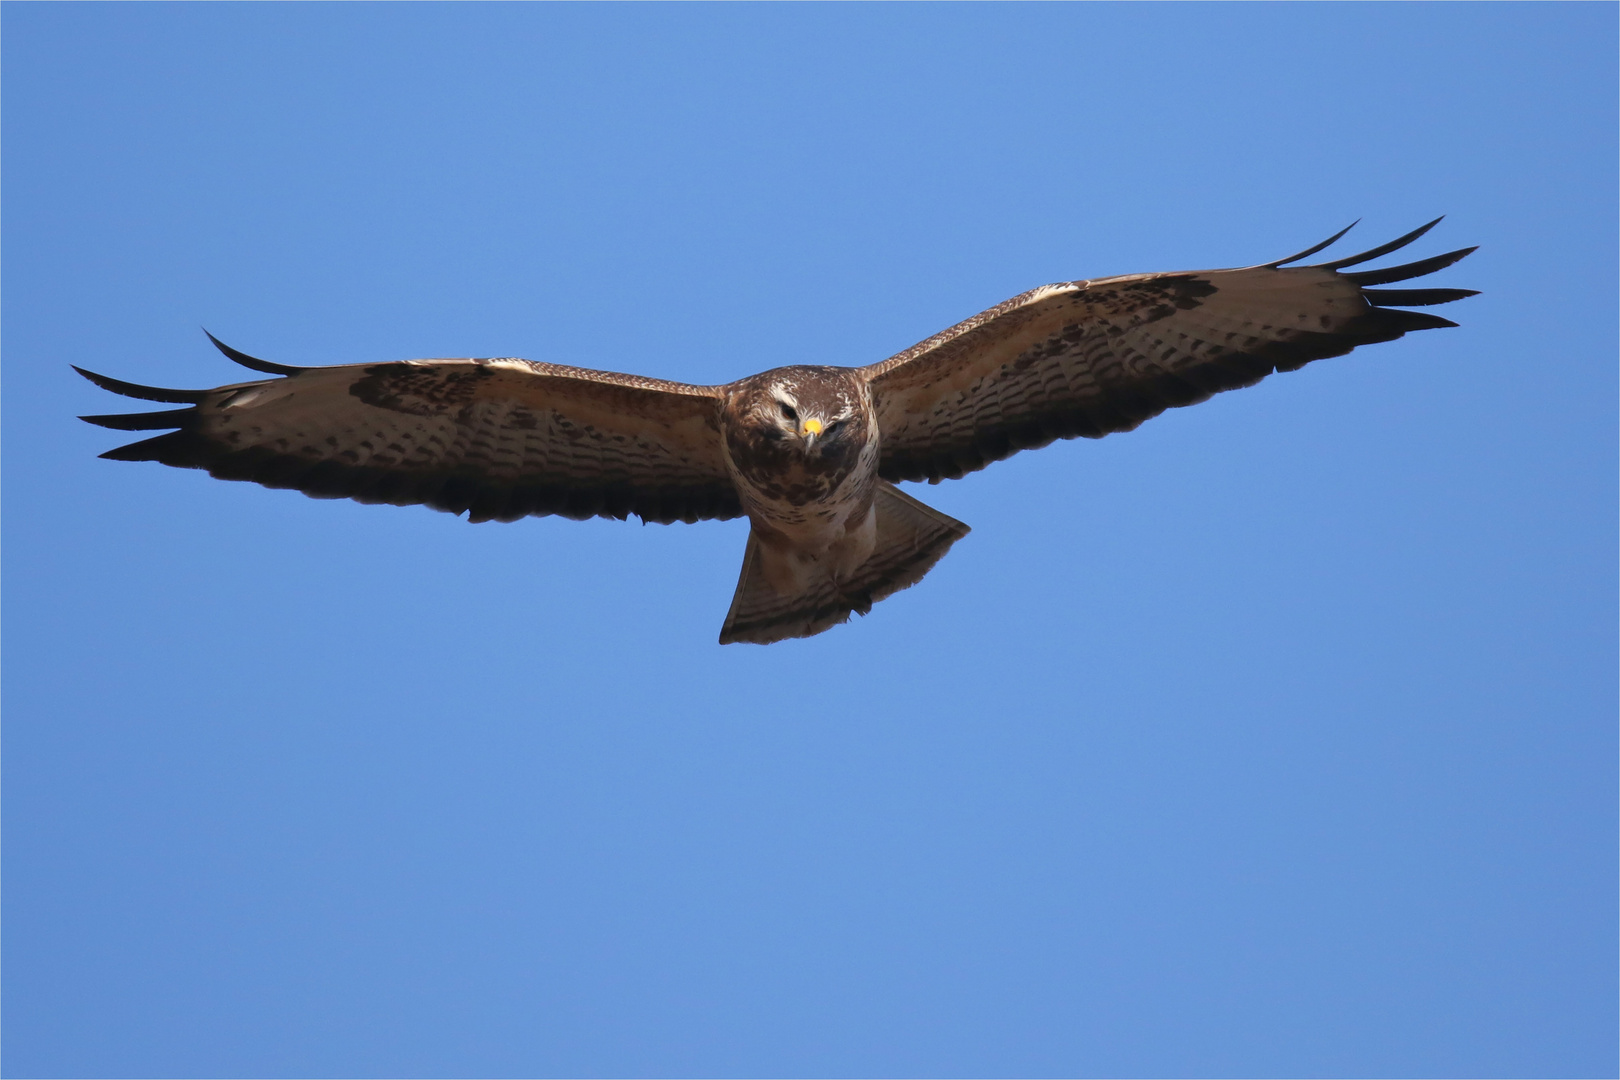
(813, 413)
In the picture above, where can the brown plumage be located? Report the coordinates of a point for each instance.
(809, 454)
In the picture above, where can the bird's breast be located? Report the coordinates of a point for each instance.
(806, 501)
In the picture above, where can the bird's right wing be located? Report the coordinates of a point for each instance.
(496, 439)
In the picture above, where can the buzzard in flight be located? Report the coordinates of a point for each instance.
(810, 454)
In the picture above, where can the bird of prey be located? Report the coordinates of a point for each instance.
(811, 454)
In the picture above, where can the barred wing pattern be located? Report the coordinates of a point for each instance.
(495, 439)
(1089, 358)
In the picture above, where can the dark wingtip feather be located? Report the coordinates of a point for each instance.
(1415, 297)
(144, 393)
(267, 366)
(146, 421)
(1382, 249)
(1404, 322)
(1314, 248)
(176, 448)
(1409, 270)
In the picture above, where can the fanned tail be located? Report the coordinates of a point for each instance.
(911, 538)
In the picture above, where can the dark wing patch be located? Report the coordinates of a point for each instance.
(1089, 358)
(495, 439)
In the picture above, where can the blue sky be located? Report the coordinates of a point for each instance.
(1276, 738)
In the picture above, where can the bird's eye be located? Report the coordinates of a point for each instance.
(789, 411)
(831, 427)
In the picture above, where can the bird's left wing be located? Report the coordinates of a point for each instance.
(1088, 358)
(496, 439)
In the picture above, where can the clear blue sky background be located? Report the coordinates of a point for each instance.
(1275, 738)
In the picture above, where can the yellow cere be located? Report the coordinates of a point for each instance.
(813, 426)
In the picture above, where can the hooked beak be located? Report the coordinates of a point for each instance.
(808, 431)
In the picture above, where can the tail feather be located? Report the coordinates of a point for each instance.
(911, 538)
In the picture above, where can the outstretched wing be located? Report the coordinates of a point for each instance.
(1088, 358)
(497, 439)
